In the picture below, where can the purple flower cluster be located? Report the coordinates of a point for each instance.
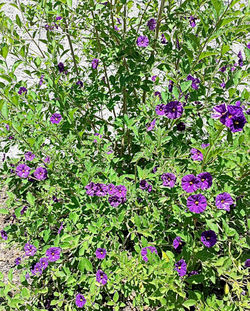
(117, 194)
(151, 24)
(181, 267)
(4, 235)
(29, 156)
(150, 126)
(95, 63)
(224, 201)
(55, 118)
(208, 238)
(101, 253)
(101, 277)
(142, 41)
(196, 154)
(195, 82)
(178, 244)
(192, 21)
(163, 39)
(172, 110)
(231, 116)
(40, 173)
(144, 252)
(145, 186)
(240, 59)
(22, 90)
(80, 300)
(168, 179)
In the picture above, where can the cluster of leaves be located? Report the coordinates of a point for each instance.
(116, 102)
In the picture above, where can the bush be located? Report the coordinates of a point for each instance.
(131, 180)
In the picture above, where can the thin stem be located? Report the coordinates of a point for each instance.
(71, 47)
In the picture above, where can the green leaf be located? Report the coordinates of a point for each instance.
(25, 292)
(116, 297)
(30, 198)
(225, 49)
(217, 5)
(18, 21)
(6, 77)
(189, 303)
(5, 51)
(175, 92)
(185, 85)
(69, 3)
(206, 54)
(85, 264)
(5, 111)
(4, 211)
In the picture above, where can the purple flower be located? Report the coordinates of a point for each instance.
(247, 263)
(18, 261)
(80, 83)
(248, 45)
(61, 67)
(90, 189)
(196, 154)
(151, 24)
(80, 300)
(22, 90)
(178, 244)
(232, 111)
(58, 18)
(4, 235)
(29, 156)
(220, 111)
(142, 41)
(101, 253)
(47, 160)
(154, 78)
(168, 179)
(177, 44)
(224, 201)
(40, 173)
(237, 123)
(53, 253)
(173, 110)
(154, 170)
(205, 180)
(190, 183)
(223, 85)
(144, 251)
(193, 273)
(203, 146)
(55, 118)
(145, 186)
(37, 269)
(181, 267)
(240, 60)
(23, 170)
(116, 201)
(150, 126)
(116, 28)
(100, 190)
(192, 21)
(27, 276)
(30, 249)
(237, 103)
(95, 63)
(208, 238)
(181, 126)
(160, 110)
(157, 93)
(195, 81)
(101, 277)
(60, 228)
(119, 21)
(163, 39)
(111, 189)
(223, 69)
(43, 263)
(121, 191)
(23, 210)
(7, 127)
(41, 80)
(11, 137)
(170, 86)
(196, 203)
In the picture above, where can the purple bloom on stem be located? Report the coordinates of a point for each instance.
(190, 183)
(163, 39)
(41, 80)
(61, 67)
(101, 277)
(168, 179)
(22, 90)
(95, 63)
(111, 189)
(181, 267)
(121, 191)
(248, 45)
(44, 263)
(196, 203)
(232, 111)
(223, 68)
(37, 269)
(116, 28)
(80, 83)
(144, 252)
(151, 125)
(192, 273)
(142, 41)
(160, 110)
(247, 263)
(58, 18)
(53, 253)
(181, 126)
(196, 154)
(195, 81)
(18, 261)
(145, 186)
(220, 111)
(240, 61)
(205, 180)
(224, 201)
(55, 118)
(154, 78)
(223, 85)
(60, 228)
(178, 244)
(90, 189)
(192, 21)
(101, 190)
(80, 300)
(23, 210)
(4, 235)
(116, 201)
(40, 173)
(237, 123)
(30, 249)
(101, 253)
(154, 170)
(208, 238)
(151, 24)
(23, 170)
(170, 86)
(29, 156)
(174, 110)
(47, 160)
(157, 93)
(203, 146)
(237, 103)
(7, 127)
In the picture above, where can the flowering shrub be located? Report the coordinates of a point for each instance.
(131, 179)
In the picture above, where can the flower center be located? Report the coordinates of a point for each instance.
(236, 122)
(179, 267)
(230, 116)
(169, 179)
(202, 179)
(208, 238)
(173, 109)
(23, 171)
(53, 254)
(222, 201)
(190, 183)
(196, 202)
